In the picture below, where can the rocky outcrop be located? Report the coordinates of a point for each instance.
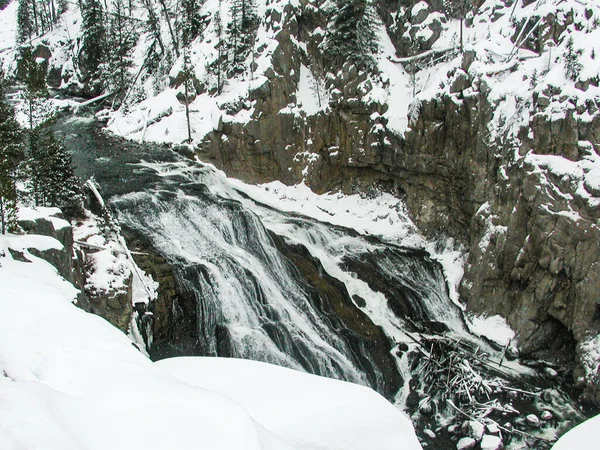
(163, 309)
(63, 260)
(114, 305)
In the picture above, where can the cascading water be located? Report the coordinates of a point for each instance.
(264, 284)
(249, 269)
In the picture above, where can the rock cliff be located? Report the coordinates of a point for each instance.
(511, 175)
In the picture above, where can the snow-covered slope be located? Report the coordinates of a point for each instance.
(70, 380)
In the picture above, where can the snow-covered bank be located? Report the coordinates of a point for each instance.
(72, 381)
(356, 418)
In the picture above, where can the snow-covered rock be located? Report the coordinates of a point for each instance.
(490, 442)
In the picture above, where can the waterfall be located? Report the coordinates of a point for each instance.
(284, 288)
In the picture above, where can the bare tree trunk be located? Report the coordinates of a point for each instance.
(187, 113)
(155, 30)
(173, 37)
(53, 11)
(2, 215)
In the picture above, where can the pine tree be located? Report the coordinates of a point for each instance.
(53, 180)
(217, 67)
(572, 65)
(352, 37)
(121, 39)
(241, 33)
(11, 153)
(93, 47)
(34, 104)
(25, 26)
(167, 15)
(156, 50)
(190, 24)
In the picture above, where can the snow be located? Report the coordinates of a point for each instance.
(70, 380)
(582, 436)
(422, 5)
(353, 417)
(381, 215)
(8, 25)
(309, 91)
(42, 212)
(583, 175)
(494, 328)
(490, 442)
(399, 94)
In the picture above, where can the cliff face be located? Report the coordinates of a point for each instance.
(508, 171)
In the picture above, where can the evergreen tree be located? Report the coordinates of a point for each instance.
(190, 24)
(62, 6)
(53, 179)
(25, 26)
(241, 33)
(156, 50)
(167, 15)
(34, 104)
(572, 65)
(94, 38)
(351, 36)
(121, 40)
(217, 67)
(11, 153)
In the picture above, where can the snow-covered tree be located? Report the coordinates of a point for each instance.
(241, 33)
(25, 25)
(351, 35)
(188, 87)
(572, 65)
(191, 23)
(34, 96)
(53, 179)
(121, 39)
(94, 44)
(217, 67)
(156, 50)
(11, 153)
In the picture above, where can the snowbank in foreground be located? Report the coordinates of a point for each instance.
(69, 380)
(318, 412)
(582, 436)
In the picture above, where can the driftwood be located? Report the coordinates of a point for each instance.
(96, 99)
(500, 427)
(98, 247)
(150, 121)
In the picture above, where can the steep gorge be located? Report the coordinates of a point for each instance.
(530, 229)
